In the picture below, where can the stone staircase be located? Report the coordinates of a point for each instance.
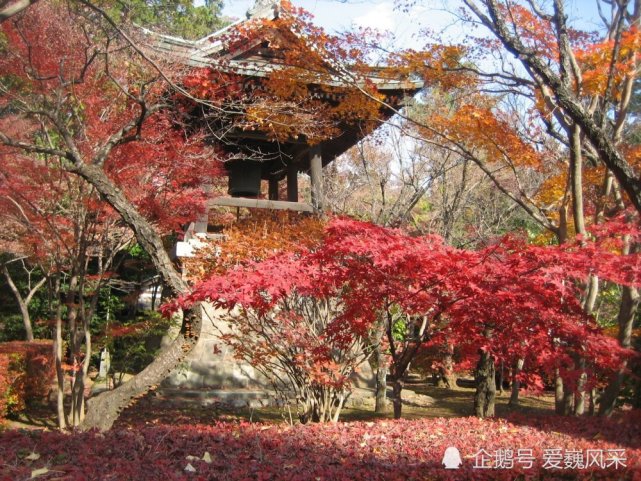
(231, 398)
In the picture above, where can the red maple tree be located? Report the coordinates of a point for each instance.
(505, 302)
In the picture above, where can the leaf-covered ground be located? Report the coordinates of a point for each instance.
(394, 450)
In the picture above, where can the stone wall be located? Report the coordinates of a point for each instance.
(211, 364)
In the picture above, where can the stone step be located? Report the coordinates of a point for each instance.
(235, 398)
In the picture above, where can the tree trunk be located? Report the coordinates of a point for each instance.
(558, 392)
(23, 303)
(485, 376)
(380, 365)
(579, 398)
(499, 378)
(515, 385)
(576, 176)
(568, 403)
(593, 400)
(630, 299)
(449, 378)
(72, 301)
(397, 389)
(591, 295)
(381, 390)
(78, 391)
(145, 233)
(60, 374)
(104, 409)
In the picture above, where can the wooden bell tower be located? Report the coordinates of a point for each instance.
(254, 61)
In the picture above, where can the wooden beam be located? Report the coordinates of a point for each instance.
(292, 182)
(273, 189)
(316, 174)
(259, 203)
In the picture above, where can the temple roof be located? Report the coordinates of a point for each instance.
(231, 50)
(210, 51)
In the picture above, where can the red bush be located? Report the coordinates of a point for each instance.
(26, 373)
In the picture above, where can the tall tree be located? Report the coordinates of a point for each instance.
(484, 301)
(23, 300)
(545, 103)
(87, 100)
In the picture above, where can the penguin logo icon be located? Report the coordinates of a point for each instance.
(452, 458)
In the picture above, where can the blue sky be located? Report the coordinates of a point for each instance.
(382, 14)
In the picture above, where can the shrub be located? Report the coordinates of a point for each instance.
(5, 383)
(134, 344)
(26, 373)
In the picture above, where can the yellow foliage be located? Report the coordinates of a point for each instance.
(553, 189)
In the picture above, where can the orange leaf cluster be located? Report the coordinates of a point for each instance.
(261, 235)
(532, 30)
(479, 128)
(554, 189)
(595, 59)
(306, 94)
(439, 66)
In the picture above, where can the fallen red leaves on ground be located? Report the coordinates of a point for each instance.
(382, 450)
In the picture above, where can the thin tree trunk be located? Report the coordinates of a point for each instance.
(381, 389)
(558, 392)
(60, 374)
(485, 376)
(78, 392)
(568, 403)
(593, 401)
(397, 390)
(591, 295)
(516, 385)
(380, 364)
(562, 233)
(449, 378)
(72, 302)
(23, 303)
(499, 378)
(579, 398)
(630, 300)
(576, 182)
(592, 288)
(104, 409)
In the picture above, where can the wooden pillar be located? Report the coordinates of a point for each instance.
(292, 182)
(316, 174)
(200, 226)
(273, 189)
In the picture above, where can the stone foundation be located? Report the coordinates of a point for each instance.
(211, 366)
